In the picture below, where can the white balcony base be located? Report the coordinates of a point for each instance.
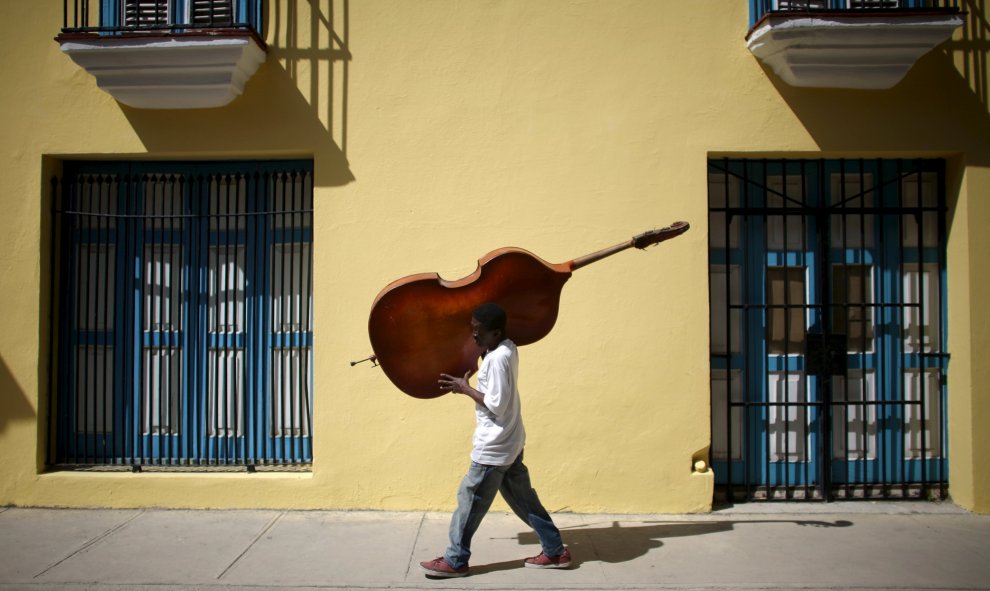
(178, 72)
(830, 51)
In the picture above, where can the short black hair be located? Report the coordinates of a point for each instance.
(491, 316)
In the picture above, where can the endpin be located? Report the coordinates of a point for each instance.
(373, 359)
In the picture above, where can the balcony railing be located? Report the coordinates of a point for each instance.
(759, 8)
(166, 54)
(168, 17)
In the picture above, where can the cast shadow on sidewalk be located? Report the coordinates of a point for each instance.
(619, 542)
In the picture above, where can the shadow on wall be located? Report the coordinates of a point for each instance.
(14, 405)
(316, 58)
(970, 53)
(294, 105)
(941, 105)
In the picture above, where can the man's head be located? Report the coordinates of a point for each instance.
(488, 325)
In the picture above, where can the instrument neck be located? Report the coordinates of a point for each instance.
(601, 254)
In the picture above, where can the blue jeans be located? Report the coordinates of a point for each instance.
(475, 497)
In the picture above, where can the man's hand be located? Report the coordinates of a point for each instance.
(449, 383)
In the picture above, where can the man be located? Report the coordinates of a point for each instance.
(497, 457)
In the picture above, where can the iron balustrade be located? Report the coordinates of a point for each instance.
(177, 17)
(760, 8)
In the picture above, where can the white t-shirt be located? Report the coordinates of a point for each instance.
(499, 436)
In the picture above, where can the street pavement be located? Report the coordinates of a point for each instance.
(808, 546)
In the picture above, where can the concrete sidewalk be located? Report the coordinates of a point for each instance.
(770, 546)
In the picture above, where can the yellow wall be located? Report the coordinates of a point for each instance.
(442, 130)
(969, 410)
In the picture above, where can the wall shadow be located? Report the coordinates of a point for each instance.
(941, 105)
(940, 108)
(294, 105)
(317, 58)
(909, 118)
(970, 53)
(14, 404)
(617, 543)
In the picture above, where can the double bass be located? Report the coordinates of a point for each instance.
(418, 325)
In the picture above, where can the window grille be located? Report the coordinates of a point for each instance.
(183, 303)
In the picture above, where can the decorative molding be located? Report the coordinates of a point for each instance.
(169, 72)
(846, 51)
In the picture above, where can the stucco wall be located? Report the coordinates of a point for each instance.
(442, 130)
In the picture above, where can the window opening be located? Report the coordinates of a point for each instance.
(184, 307)
(828, 361)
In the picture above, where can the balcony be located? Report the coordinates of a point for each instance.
(166, 54)
(863, 44)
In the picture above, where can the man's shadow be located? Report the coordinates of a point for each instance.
(616, 543)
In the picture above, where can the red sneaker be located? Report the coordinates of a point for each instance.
(544, 561)
(439, 567)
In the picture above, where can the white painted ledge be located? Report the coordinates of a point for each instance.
(864, 52)
(182, 72)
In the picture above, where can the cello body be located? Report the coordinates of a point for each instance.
(420, 325)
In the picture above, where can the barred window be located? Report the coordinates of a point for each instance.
(184, 314)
